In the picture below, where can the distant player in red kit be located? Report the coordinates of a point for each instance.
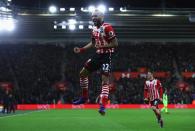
(105, 42)
(153, 93)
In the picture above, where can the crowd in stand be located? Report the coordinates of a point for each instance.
(35, 68)
(185, 57)
(32, 69)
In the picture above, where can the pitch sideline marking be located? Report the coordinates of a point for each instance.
(22, 114)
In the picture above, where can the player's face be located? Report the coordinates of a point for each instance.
(149, 76)
(97, 20)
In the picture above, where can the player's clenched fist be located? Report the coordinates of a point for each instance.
(77, 50)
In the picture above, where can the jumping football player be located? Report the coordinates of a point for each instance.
(105, 42)
(153, 93)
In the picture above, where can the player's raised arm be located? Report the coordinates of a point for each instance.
(86, 47)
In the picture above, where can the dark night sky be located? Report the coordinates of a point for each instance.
(115, 3)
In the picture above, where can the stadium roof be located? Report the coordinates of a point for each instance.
(115, 3)
(151, 24)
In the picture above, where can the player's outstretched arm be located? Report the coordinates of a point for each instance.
(86, 47)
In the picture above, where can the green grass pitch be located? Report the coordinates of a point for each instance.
(90, 120)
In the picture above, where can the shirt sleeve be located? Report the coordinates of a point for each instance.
(109, 32)
(145, 91)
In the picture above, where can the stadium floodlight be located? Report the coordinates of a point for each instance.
(102, 8)
(72, 24)
(90, 26)
(53, 9)
(91, 8)
(84, 9)
(55, 26)
(63, 27)
(163, 15)
(72, 21)
(9, 25)
(63, 22)
(90, 22)
(123, 9)
(55, 22)
(72, 27)
(72, 9)
(62, 9)
(81, 27)
(111, 9)
(3, 9)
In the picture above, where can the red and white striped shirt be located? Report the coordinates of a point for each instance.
(153, 89)
(103, 36)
